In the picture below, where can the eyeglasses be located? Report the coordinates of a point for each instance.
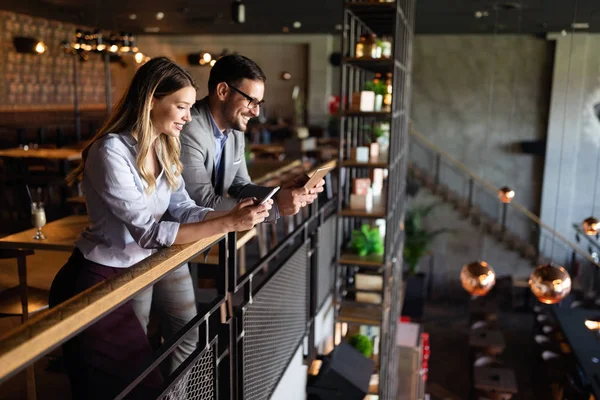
(252, 102)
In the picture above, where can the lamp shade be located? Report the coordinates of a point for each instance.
(506, 194)
(550, 283)
(477, 278)
(590, 226)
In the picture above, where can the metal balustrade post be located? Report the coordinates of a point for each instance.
(470, 195)
(438, 166)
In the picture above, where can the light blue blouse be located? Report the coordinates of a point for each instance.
(124, 221)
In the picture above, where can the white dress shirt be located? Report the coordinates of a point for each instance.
(124, 221)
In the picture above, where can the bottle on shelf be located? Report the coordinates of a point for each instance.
(367, 46)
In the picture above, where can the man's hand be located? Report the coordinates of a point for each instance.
(291, 200)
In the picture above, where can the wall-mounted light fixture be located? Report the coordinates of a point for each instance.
(28, 45)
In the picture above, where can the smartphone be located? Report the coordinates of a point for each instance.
(267, 197)
(316, 177)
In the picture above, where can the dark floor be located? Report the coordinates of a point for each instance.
(446, 321)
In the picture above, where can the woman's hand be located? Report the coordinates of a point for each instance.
(246, 214)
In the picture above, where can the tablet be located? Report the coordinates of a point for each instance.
(316, 177)
(267, 197)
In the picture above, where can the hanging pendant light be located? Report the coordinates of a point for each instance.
(506, 194)
(590, 226)
(477, 278)
(550, 283)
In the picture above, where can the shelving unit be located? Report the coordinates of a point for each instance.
(396, 20)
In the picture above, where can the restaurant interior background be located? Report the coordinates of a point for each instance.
(501, 95)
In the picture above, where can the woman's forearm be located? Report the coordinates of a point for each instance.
(212, 225)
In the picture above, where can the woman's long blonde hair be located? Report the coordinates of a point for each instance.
(157, 78)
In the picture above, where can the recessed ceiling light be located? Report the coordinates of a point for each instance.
(132, 16)
(160, 15)
(297, 24)
(481, 14)
(338, 27)
(152, 29)
(285, 29)
(563, 32)
(580, 25)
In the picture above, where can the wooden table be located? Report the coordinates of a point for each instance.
(60, 235)
(498, 380)
(490, 339)
(63, 154)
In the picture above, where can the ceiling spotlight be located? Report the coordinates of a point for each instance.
(338, 27)
(132, 16)
(238, 12)
(297, 25)
(160, 15)
(285, 29)
(114, 48)
(286, 76)
(478, 14)
(139, 57)
(213, 62)
(206, 57)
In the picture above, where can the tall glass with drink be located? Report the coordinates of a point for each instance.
(38, 219)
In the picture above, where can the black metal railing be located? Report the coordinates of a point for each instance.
(248, 333)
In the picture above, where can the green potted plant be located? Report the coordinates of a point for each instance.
(380, 90)
(417, 242)
(363, 344)
(366, 241)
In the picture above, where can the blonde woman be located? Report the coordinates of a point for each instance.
(131, 176)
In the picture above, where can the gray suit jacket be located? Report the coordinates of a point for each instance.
(198, 158)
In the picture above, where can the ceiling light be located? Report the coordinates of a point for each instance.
(338, 27)
(206, 57)
(114, 48)
(132, 16)
(139, 57)
(285, 29)
(213, 62)
(297, 24)
(238, 12)
(160, 15)
(580, 25)
(563, 32)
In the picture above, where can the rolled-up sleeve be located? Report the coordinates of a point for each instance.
(183, 208)
(112, 178)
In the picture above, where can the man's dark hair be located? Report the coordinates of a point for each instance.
(232, 69)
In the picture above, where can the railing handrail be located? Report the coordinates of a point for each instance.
(26, 343)
(494, 190)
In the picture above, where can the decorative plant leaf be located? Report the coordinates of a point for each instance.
(417, 240)
(366, 241)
